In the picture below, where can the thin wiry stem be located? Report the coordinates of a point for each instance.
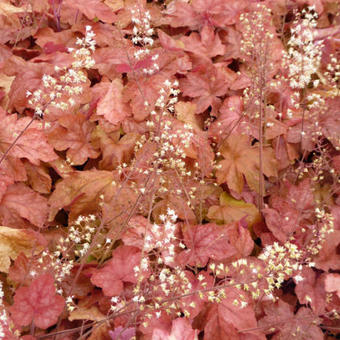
(16, 139)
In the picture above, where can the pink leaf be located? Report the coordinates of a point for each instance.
(203, 242)
(111, 105)
(21, 202)
(118, 270)
(74, 133)
(180, 330)
(332, 283)
(31, 145)
(38, 303)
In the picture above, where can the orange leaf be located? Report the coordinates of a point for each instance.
(31, 145)
(74, 133)
(231, 210)
(12, 243)
(20, 203)
(81, 191)
(242, 159)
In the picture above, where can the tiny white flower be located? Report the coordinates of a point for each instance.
(298, 278)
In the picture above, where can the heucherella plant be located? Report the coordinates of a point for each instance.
(58, 91)
(304, 52)
(67, 81)
(169, 169)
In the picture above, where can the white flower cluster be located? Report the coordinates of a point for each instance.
(116, 303)
(166, 235)
(173, 279)
(281, 261)
(59, 90)
(170, 153)
(70, 305)
(76, 244)
(142, 36)
(255, 34)
(171, 144)
(333, 72)
(83, 55)
(79, 236)
(304, 53)
(323, 227)
(142, 30)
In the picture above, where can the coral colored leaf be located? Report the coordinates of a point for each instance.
(24, 81)
(38, 178)
(231, 38)
(214, 12)
(51, 41)
(240, 239)
(26, 337)
(289, 208)
(186, 112)
(242, 159)
(330, 122)
(332, 283)
(20, 203)
(180, 330)
(137, 98)
(18, 272)
(203, 242)
(228, 120)
(176, 203)
(38, 303)
(328, 257)
(238, 317)
(101, 332)
(126, 68)
(228, 320)
(217, 328)
(81, 191)
(111, 105)
(12, 243)
(277, 224)
(311, 290)
(207, 85)
(169, 43)
(207, 44)
(121, 333)
(118, 270)
(281, 320)
(114, 151)
(31, 145)
(74, 133)
(6, 82)
(50, 47)
(182, 14)
(11, 169)
(92, 9)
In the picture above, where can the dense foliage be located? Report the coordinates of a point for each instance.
(169, 169)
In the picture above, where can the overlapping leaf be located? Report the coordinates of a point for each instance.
(37, 303)
(32, 144)
(118, 270)
(241, 160)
